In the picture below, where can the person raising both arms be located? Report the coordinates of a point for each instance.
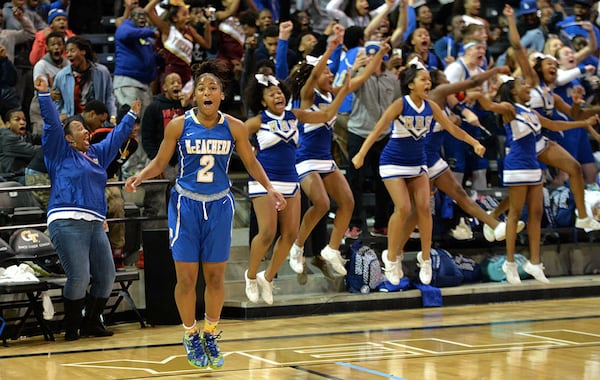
(177, 38)
(77, 211)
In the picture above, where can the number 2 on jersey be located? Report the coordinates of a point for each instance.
(205, 174)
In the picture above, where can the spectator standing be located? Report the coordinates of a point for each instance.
(12, 11)
(572, 25)
(9, 99)
(275, 48)
(135, 60)
(95, 116)
(201, 21)
(44, 7)
(375, 88)
(230, 48)
(10, 38)
(317, 10)
(76, 212)
(136, 67)
(458, 153)
(532, 32)
(50, 64)
(15, 12)
(248, 20)
(177, 38)
(83, 80)
(57, 22)
(471, 11)
(265, 18)
(273, 6)
(419, 42)
(448, 47)
(127, 9)
(163, 108)
(424, 18)
(356, 12)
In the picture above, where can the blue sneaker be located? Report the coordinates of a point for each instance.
(211, 349)
(195, 351)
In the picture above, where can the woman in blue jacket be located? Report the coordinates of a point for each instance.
(77, 211)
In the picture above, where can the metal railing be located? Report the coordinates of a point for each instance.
(136, 219)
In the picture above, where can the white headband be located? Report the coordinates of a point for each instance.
(469, 45)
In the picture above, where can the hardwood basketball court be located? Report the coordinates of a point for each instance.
(523, 340)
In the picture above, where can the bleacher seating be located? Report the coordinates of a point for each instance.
(102, 43)
(108, 23)
(107, 59)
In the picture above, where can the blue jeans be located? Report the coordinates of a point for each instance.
(84, 252)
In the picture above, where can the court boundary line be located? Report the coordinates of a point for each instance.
(399, 329)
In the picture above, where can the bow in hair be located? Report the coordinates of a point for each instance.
(538, 55)
(310, 60)
(505, 78)
(266, 80)
(415, 61)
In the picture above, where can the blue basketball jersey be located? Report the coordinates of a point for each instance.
(406, 146)
(204, 155)
(277, 142)
(315, 138)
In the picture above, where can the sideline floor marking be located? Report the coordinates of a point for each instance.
(371, 371)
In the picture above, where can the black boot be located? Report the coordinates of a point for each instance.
(72, 319)
(92, 321)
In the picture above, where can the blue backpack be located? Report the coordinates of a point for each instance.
(363, 269)
(470, 269)
(445, 272)
(562, 206)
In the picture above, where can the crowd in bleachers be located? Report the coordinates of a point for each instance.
(98, 57)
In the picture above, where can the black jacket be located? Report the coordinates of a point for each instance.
(156, 117)
(16, 151)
